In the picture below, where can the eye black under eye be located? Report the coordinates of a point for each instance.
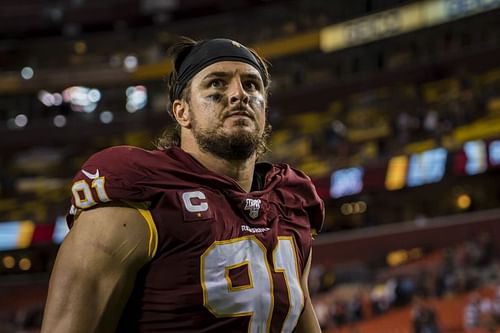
(215, 97)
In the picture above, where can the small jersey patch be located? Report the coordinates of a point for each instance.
(195, 206)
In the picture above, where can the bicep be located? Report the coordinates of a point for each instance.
(95, 270)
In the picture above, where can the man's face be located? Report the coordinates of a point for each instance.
(227, 105)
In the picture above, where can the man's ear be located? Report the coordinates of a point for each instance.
(181, 112)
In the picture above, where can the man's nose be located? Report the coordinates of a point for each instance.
(237, 93)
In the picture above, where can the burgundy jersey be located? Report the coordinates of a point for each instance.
(222, 259)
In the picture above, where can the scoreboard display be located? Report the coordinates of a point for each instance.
(426, 167)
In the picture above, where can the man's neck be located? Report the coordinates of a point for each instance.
(240, 171)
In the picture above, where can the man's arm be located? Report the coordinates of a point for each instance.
(95, 270)
(308, 322)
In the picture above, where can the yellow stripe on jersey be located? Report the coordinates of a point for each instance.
(153, 232)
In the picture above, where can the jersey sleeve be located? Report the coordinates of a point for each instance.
(305, 195)
(113, 174)
(312, 202)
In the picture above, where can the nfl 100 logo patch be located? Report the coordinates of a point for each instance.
(253, 207)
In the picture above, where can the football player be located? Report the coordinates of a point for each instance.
(195, 236)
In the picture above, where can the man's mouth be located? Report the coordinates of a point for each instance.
(240, 113)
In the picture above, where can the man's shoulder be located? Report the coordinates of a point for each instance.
(299, 191)
(123, 160)
(120, 173)
(117, 173)
(291, 175)
(119, 156)
(294, 182)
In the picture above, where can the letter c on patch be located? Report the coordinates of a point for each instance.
(188, 196)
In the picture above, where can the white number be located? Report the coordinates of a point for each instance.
(98, 185)
(282, 254)
(255, 299)
(83, 194)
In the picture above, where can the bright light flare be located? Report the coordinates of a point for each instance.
(27, 73)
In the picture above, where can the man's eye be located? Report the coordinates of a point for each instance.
(251, 85)
(216, 84)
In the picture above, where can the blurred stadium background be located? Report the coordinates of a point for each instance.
(392, 107)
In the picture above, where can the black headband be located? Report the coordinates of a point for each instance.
(208, 52)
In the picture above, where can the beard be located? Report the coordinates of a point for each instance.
(236, 146)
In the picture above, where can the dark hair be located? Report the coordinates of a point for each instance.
(178, 52)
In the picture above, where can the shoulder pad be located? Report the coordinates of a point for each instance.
(109, 175)
(303, 190)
